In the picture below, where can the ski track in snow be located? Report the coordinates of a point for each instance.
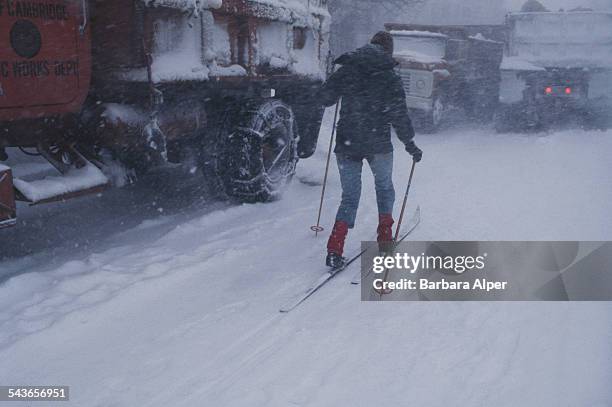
(182, 309)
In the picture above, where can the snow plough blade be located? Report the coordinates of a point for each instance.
(76, 182)
(7, 198)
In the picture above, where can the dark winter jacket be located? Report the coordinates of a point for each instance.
(373, 100)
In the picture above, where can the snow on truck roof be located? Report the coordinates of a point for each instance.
(519, 64)
(540, 64)
(185, 4)
(300, 8)
(297, 12)
(555, 13)
(412, 33)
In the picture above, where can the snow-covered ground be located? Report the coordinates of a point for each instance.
(155, 298)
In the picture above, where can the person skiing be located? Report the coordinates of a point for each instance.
(373, 100)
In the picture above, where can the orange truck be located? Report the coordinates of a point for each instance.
(146, 83)
(45, 71)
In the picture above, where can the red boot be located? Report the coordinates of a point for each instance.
(385, 231)
(335, 244)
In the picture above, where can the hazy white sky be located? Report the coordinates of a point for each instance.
(487, 11)
(566, 4)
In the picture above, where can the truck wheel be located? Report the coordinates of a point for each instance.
(433, 118)
(502, 120)
(258, 156)
(531, 119)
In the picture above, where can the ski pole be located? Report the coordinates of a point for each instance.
(401, 218)
(397, 231)
(318, 227)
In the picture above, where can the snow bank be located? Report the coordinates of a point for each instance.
(193, 310)
(76, 180)
(192, 315)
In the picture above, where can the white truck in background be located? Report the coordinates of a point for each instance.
(557, 68)
(448, 66)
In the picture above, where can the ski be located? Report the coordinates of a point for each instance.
(322, 281)
(325, 278)
(411, 226)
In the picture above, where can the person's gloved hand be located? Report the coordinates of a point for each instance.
(415, 152)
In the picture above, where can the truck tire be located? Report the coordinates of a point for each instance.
(431, 120)
(531, 119)
(503, 120)
(257, 155)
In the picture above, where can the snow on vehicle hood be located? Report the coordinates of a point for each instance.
(412, 56)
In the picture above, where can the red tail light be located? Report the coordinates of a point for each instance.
(568, 91)
(548, 90)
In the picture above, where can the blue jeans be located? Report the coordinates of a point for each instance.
(350, 178)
